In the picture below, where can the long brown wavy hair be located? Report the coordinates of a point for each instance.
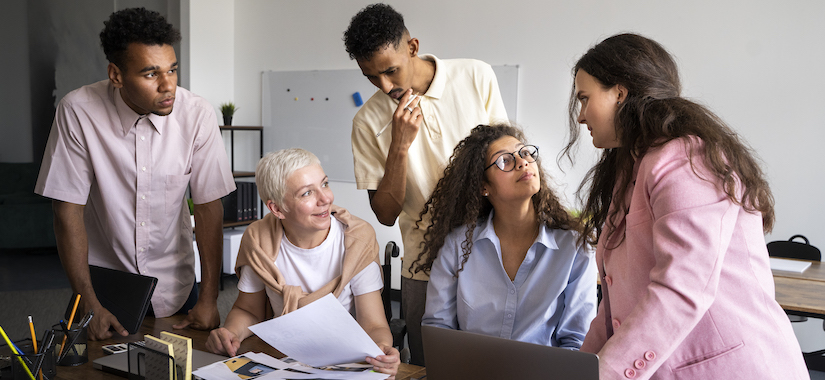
(457, 201)
(653, 114)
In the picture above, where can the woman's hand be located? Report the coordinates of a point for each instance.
(224, 342)
(387, 363)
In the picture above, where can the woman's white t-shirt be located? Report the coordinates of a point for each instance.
(313, 268)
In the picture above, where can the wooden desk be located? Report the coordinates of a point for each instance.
(802, 293)
(816, 272)
(798, 293)
(155, 326)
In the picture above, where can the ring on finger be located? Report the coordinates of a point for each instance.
(408, 109)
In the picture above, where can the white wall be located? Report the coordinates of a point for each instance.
(212, 50)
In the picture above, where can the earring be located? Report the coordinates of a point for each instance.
(486, 194)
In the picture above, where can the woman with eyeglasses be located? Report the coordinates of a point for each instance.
(502, 251)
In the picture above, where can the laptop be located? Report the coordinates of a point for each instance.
(118, 364)
(126, 295)
(456, 355)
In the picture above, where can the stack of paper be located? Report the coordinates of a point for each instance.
(322, 334)
(260, 366)
(319, 334)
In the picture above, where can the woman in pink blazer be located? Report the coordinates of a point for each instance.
(677, 206)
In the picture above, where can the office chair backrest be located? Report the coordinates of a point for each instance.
(390, 251)
(794, 250)
(398, 327)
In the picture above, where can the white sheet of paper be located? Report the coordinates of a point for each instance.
(321, 333)
(789, 265)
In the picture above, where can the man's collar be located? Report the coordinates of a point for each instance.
(439, 78)
(129, 118)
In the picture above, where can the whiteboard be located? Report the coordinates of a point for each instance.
(313, 110)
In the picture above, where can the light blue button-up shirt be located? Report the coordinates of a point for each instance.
(551, 301)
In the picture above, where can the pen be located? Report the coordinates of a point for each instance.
(46, 345)
(34, 341)
(84, 323)
(71, 318)
(17, 353)
(390, 123)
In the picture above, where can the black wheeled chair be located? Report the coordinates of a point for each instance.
(398, 327)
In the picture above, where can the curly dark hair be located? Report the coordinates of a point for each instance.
(134, 25)
(372, 29)
(457, 200)
(653, 114)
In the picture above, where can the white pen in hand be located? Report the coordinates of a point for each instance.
(390, 123)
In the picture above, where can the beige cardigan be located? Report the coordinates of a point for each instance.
(262, 239)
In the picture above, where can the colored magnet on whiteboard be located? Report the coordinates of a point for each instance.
(357, 98)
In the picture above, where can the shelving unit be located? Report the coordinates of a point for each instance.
(243, 174)
(227, 262)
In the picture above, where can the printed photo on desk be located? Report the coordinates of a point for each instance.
(264, 367)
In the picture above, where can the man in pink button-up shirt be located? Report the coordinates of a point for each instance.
(118, 161)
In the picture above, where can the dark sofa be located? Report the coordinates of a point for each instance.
(26, 219)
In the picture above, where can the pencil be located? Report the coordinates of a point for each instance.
(390, 123)
(18, 354)
(71, 317)
(34, 343)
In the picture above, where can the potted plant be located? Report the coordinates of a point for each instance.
(228, 110)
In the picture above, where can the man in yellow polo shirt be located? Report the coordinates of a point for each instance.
(403, 136)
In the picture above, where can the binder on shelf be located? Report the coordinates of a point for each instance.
(255, 201)
(232, 211)
(246, 201)
(250, 200)
(228, 201)
(242, 204)
(245, 190)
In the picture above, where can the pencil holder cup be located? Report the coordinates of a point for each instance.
(72, 350)
(41, 365)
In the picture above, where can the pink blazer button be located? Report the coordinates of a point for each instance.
(629, 373)
(616, 324)
(608, 280)
(639, 364)
(650, 355)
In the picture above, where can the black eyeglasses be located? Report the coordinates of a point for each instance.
(506, 162)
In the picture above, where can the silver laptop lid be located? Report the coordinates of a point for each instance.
(118, 364)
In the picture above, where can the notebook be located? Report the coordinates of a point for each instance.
(789, 265)
(126, 295)
(456, 355)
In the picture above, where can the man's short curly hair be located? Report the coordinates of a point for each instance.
(372, 29)
(134, 25)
